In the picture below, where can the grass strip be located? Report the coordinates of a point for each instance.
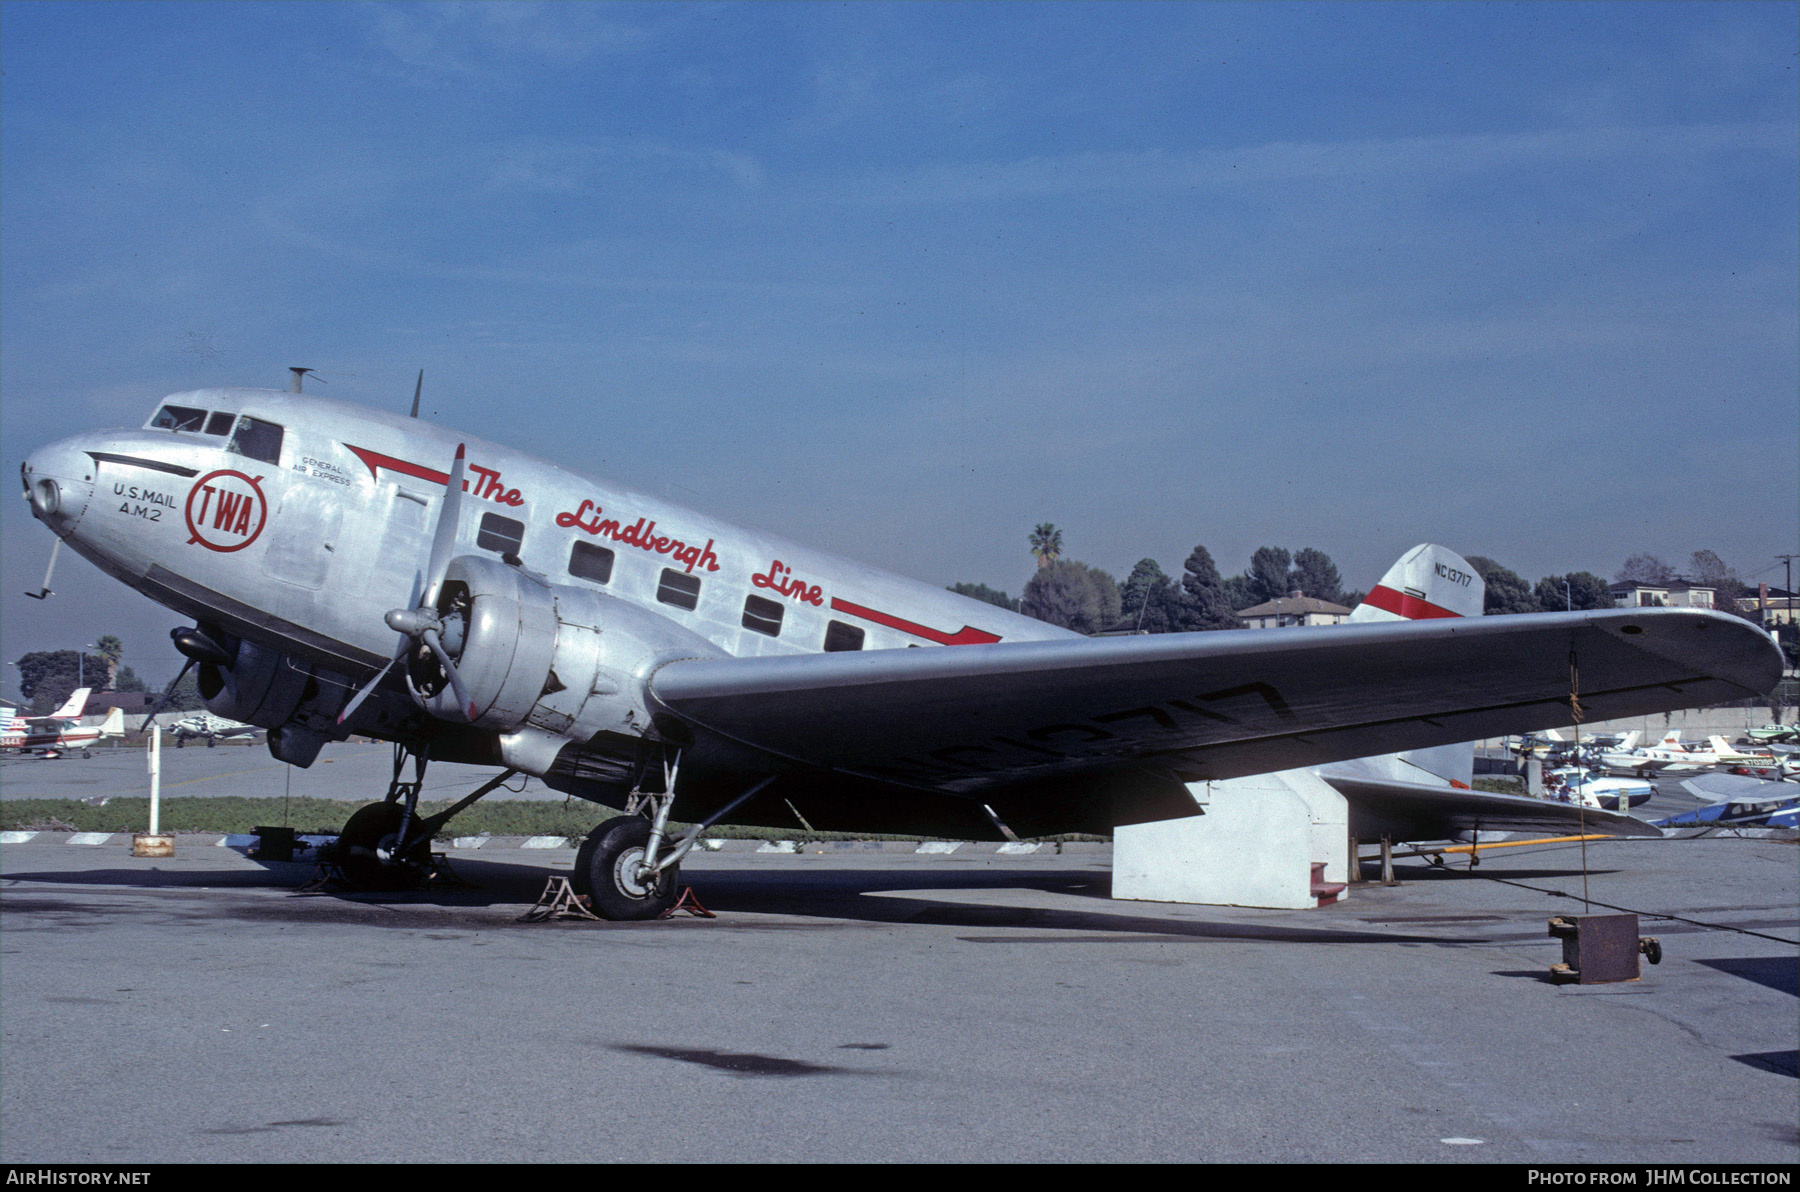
(237, 815)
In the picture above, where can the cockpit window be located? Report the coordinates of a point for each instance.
(219, 423)
(256, 439)
(178, 418)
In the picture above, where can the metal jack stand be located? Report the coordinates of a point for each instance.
(559, 901)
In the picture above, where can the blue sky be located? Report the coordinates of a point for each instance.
(905, 280)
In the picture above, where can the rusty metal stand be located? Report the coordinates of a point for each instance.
(559, 901)
(687, 902)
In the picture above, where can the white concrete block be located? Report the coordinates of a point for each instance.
(1254, 844)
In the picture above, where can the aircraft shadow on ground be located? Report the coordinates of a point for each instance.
(782, 900)
(1780, 973)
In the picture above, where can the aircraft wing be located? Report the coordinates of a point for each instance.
(1418, 811)
(1720, 788)
(1194, 706)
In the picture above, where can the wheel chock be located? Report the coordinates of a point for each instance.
(326, 876)
(687, 902)
(559, 901)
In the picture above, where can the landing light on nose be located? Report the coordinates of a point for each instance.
(45, 496)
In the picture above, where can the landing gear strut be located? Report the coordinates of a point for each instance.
(387, 845)
(626, 869)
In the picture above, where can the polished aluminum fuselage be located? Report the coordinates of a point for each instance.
(306, 553)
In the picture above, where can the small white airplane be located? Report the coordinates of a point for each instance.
(213, 728)
(62, 730)
(355, 571)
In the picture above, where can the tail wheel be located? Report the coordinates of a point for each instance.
(365, 851)
(606, 870)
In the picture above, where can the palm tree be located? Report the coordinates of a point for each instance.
(1046, 544)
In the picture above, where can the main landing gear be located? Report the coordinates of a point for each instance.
(626, 868)
(387, 845)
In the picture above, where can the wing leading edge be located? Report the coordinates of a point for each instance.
(1210, 705)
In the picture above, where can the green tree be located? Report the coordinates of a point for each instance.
(1507, 592)
(1150, 601)
(984, 593)
(1317, 576)
(48, 677)
(1269, 574)
(1073, 595)
(1585, 591)
(1046, 545)
(1203, 603)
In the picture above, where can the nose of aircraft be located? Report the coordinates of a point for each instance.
(58, 481)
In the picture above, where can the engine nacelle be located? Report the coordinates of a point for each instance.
(297, 702)
(545, 663)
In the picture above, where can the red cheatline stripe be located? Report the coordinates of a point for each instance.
(966, 636)
(374, 459)
(1400, 604)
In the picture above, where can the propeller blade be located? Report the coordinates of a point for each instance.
(462, 693)
(167, 692)
(363, 693)
(418, 389)
(443, 539)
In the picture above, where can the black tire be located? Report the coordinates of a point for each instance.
(181, 742)
(211, 741)
(371, 828)
(603, 867)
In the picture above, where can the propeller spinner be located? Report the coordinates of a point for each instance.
(423, 626)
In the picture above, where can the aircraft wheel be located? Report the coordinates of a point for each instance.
(86, 753)
(369, 829)
(210, 742)
(605, 871)
(180, 742)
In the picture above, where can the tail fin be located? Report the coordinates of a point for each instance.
(1429, 581)
(114, 724)
(71, 709)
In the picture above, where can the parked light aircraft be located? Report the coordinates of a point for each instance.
(213, 728)
(351, 570)
(1738, 801)
(62, 730)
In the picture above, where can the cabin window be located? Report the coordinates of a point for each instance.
(219, 424)
(502, 535)
(839, 636)
(178, 418)
(587, 561)
(256, 439)
(679, 589)
(762, 615)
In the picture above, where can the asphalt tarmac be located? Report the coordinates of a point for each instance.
(880, 1006)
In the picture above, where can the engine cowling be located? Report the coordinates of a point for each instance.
(543, 663)
(295, 700)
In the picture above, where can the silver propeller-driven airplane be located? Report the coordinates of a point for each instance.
(354, 571)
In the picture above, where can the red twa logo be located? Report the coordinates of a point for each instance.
(225, 511)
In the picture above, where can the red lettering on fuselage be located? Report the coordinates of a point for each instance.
(780, 578)
(587, 519)
(489, 488)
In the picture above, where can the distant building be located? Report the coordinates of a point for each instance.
(1293, 609)
(1677, 593)
(1778, 610)
(101, 702)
